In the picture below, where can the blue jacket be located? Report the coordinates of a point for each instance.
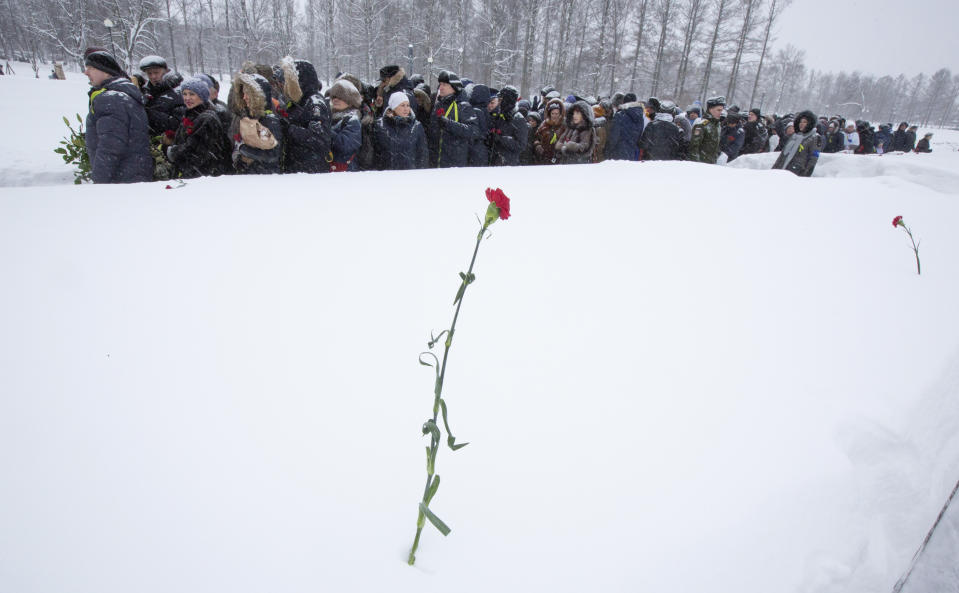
(117, 137)
(400, 143)
(624, 133)
(732, 140)
(347, 139)
(479, 97)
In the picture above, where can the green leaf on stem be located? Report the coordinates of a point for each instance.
(451, 440)
(429, 364)
(429, 427)
(435, 339)
(433, 488)
(436, 521)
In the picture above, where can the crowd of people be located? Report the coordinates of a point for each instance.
(278, 119)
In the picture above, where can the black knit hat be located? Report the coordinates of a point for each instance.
(451, 79)
(104, 62)
(755, 111)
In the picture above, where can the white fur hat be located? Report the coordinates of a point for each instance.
(397, 99)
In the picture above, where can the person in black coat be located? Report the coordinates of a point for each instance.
(756, 134)
(835, 139)
(163, 104)
(733, 137)
(662, 140)
(899, 138)
(117, 129)
(509, 134)
(256, 131)
(306, 119)
(625, 130)
(911, 138)
(478, 96)
(923, 145)
(867, 138)
(453, 124)
(200, 146)
(399, 139)
(533, 121)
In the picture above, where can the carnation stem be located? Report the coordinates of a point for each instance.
(915, 249)
(437, 394)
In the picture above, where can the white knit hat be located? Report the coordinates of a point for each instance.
(397, 99)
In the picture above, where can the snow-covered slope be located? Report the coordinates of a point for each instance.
(674, 377)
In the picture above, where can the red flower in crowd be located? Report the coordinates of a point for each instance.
(897, 221)
(237, 138)
(497, 197)
(188, 124)
(169, 133)
(439, 113)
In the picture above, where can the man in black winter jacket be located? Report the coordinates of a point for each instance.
(452, 124)
(163, 104)
(756, 133)
(662, 140)
(508, 130)
(117, 137)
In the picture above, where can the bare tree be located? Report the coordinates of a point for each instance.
(748, 6)
(775, 9)
(717, 23)
(693, 12)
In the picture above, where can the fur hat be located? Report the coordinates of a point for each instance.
(344, 90)
(198, 86)
(104, 62)
(629, 98)
(755, 111)
(451, 79)
(715, 102)
(388, 72)
(152, 62)
(397, 99)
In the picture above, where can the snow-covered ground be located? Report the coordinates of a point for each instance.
(674, 377)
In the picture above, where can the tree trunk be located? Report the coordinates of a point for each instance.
(762, 55)
(712, 51)
(666, 6)
(169, 20)
(639, 43)
(740, 46)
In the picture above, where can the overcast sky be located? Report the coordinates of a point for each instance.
(875, 36)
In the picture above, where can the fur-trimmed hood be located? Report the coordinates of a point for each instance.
(554, 104)
(397, 82)
(257, 89)
(584, 108)
(423, 99)
(810, 117)
(299, 79)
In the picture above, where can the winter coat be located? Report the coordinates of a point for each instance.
(508, 135)
(732, 141)
(164, 104)
(306, 119)
(400, 143)
(117, 136)
(347, 140)
(200, 146)
(548, 134)
(900, 140)
(850, 141)
(867, 140)
(366, 158)
(624, 132)
(578, 141)
(923, 146)
(249, 158)
(662, 140)
(910, 140)
(478, 96)
(756, 137)
(806, 154)
(835, 141)
(453, 126)
(884, 139)
(704, 145)
(528, 156)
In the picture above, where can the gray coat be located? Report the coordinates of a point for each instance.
(118, 140)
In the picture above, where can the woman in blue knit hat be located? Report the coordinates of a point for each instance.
(200, 145)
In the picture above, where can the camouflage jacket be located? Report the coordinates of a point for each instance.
(704, 142)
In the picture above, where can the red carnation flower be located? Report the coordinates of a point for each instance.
(237, 138)
(439, 113)
(497, 197)
(169, 133)
(897, 221)
(169, 187)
